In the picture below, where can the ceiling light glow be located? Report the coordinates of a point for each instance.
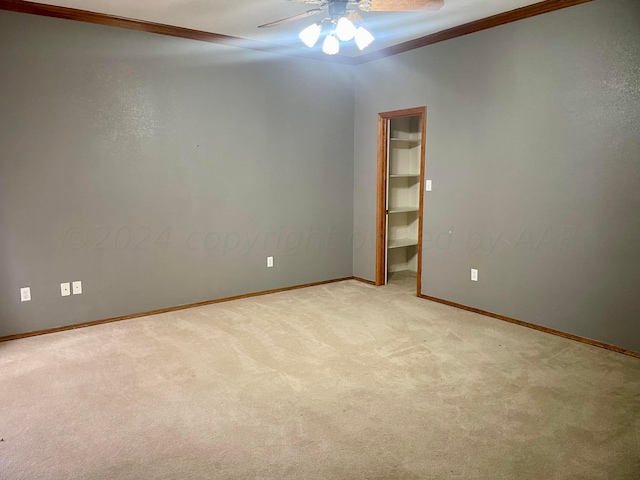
(345, 30)
(363, 38)
(331, 45)
(310, 35)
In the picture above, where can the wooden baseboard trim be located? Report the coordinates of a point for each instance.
(552, 331)
(364, 280)
(168, 309)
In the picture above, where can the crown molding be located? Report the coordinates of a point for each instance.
(522, 13)
(472, 27)
(75, 14)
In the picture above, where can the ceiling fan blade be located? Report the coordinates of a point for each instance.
(308, 13)
(405, 5)
(354, 16)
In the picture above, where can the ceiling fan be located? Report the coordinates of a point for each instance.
(342, 14)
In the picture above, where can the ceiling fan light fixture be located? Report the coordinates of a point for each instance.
(331, 45)
(345, 29)
(363, 38)
(310, 35)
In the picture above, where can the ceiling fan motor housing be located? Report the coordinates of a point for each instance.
(338, 8)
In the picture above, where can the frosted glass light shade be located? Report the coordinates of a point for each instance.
(363, 38)
(310, 35)
(345, 30)
(331, 45)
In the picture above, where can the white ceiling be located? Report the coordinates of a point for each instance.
(240, 18)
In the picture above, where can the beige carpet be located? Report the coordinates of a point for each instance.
(342, 381)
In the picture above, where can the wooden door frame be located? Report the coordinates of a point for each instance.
(381, 195)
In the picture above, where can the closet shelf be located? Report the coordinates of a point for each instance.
(410, 141)
(403, 149)
(402, 242)
(403, 209)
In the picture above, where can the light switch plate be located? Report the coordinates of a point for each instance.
(77, 287)
(474, 274)
(427, 185)
(25, 294)
(65, 289)
(269, 262)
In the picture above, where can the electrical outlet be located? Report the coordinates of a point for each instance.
(474, 274)
(65, 289)
(25, 294)
(269, 262)
(77, 287)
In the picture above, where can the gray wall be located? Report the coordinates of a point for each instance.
(533, 146)
(162, 171)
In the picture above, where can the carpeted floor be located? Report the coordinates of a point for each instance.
(341, 381)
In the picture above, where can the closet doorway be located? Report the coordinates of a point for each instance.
(400, 193)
